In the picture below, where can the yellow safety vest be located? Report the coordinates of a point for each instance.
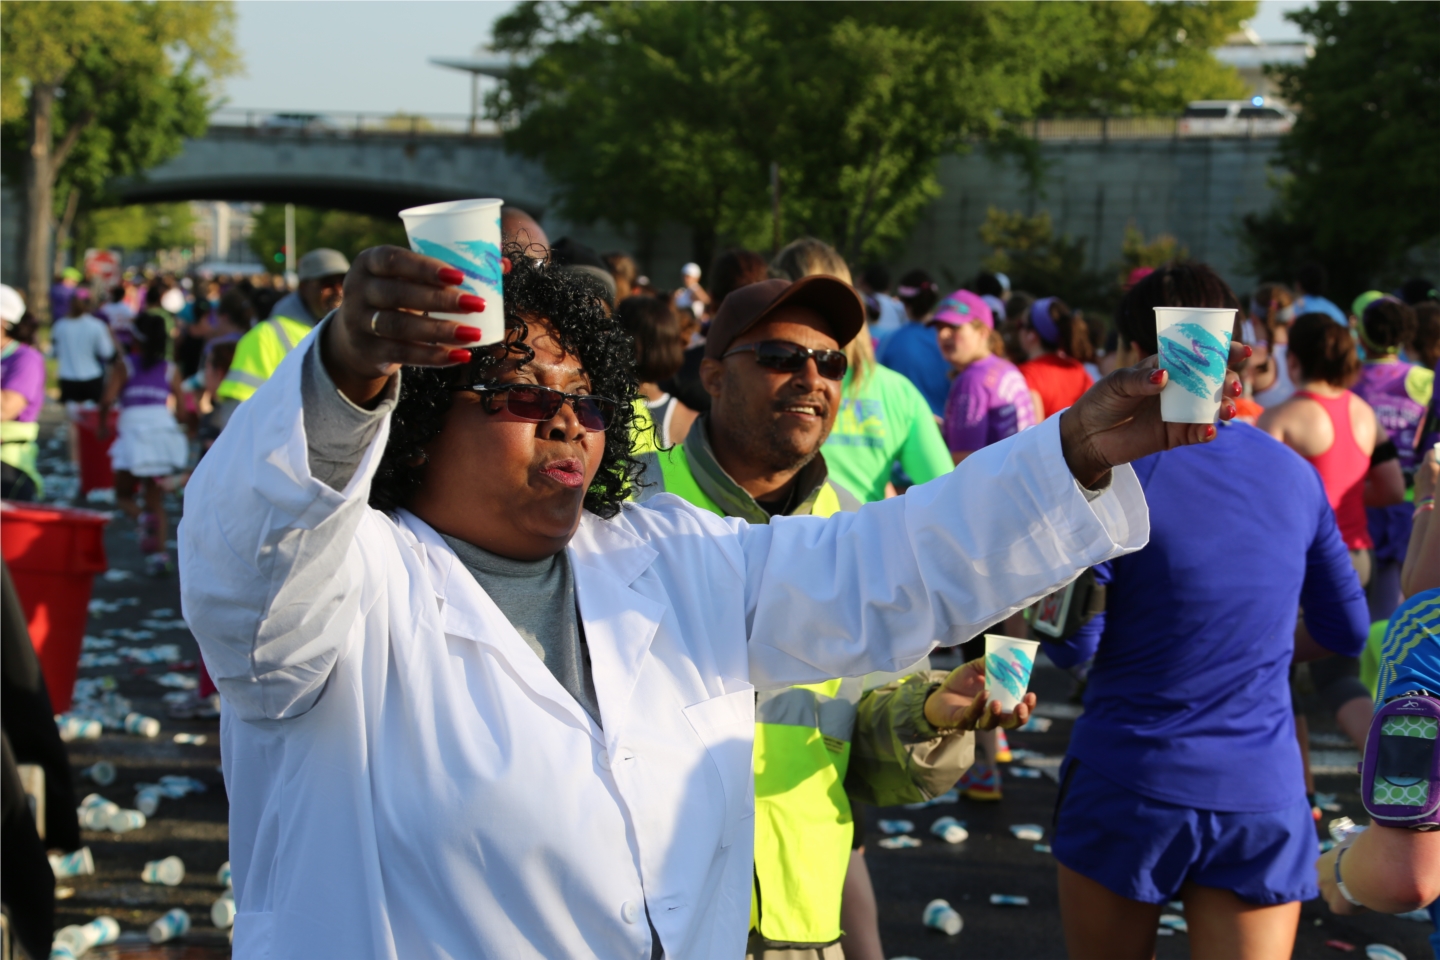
(258, 354)
(803, 823)
(19, 450)
(642, 429)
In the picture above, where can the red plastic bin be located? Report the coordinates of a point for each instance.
(95, 470)
(53, 555)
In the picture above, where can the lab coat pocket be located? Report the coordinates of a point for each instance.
(253, 935)
(726, 725)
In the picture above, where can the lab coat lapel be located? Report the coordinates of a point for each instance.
(466, 611)
(620, 622)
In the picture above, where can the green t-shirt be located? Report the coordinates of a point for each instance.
(888, 421)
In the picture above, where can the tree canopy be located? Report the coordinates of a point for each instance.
(646, 113)
(1361, 188)
(91, 91)
(338, 229)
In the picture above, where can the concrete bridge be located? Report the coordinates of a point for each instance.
(1100, 176)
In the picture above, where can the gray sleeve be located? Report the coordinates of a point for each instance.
(337, 431)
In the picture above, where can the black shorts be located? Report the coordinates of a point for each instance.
(82, 391)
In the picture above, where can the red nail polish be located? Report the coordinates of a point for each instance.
(468, 334)
(505, 265)
(471, 304)
(1157, 375)
(1210, 432)
(1236, 389)
(1248, 351)
(459, 356)
(450, 276)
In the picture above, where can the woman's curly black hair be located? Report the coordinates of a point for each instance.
(575, 306)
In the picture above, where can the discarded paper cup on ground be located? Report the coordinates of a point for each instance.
(123, 821)
(1195, 352)
(893, 827)
(95, 812)
(222, 912)
(76, 864)
(1008, 663)
(939, 915)
(96, 933)
(950, 830)
(465, 234)
(174, 924)
(101, 772)
(222, 876)
(1029, 832)
(142, 725)
(170, 871)
(77, 728)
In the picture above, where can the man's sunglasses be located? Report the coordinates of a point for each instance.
(790, 357)
(539, 404)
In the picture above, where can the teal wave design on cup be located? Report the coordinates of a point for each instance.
(1195, 358)
(477, 259)
(1011, 669)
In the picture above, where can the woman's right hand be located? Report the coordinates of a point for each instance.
(380, 325)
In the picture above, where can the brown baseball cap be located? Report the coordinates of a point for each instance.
(834, 299)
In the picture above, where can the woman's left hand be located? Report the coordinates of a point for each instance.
(1118, 420)
(960, 703)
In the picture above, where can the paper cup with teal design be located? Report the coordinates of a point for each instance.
(1008, 662)
(1194, 350)
(466, 235)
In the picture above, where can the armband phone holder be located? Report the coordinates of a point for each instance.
(1400, 775)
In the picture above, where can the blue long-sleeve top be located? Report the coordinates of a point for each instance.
(1188, 701)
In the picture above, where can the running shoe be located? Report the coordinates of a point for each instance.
(1002, 748)
(979, 783)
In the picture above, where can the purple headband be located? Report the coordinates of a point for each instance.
(1040, 319)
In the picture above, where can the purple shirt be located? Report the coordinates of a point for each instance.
(145, 387)
(1399, 398)
(23, 370)
(988, 402)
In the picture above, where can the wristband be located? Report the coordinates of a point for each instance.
(1422, 507)
(1340, 884)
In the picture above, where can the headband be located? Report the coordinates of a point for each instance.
(1042, 322)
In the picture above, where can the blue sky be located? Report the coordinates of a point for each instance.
(316, 56)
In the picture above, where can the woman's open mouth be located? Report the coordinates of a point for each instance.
(569, 473)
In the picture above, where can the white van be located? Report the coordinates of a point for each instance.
(1235, 118)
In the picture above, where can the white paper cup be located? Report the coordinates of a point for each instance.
(1008, 663)
(1194, 351)
(466, 235)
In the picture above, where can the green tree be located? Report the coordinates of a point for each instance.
(1026, 249)
(1145, 58)
(157, 226)
(338, 229)
(90, 91)
(1136, 251)
(1360, 188)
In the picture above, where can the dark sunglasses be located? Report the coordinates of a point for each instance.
(790, 357)
(539, 404)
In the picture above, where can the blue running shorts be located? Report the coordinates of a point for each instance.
(1148, 849)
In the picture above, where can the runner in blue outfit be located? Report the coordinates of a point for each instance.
(1183, 778)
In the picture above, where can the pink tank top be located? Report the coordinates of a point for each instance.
(1342, 469)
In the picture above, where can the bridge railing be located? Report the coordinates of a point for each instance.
(341, 124)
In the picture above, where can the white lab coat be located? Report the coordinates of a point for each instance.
(408, 780)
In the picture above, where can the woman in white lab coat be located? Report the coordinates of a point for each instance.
(419, 766)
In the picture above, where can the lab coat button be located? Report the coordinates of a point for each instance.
(604, 760)
(629, 911)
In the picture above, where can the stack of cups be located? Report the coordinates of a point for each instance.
(939, 915)
(465, 234)
(1195, 351)
(1008, 663)
(170, 871)
(174, 924)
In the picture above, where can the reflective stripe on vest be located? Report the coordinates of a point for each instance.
(258, 354)
(803, 823)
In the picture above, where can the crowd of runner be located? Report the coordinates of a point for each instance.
(1294, 551)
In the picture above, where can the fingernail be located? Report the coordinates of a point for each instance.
(1157, 375)
(459, 356)
(468, 334)
(1248, 351)
(450, 276)
(471, 304)
(1210, 432)
(505, 265)
(1230, 411)
(1236, 389)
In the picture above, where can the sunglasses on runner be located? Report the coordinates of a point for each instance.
(790, 357)
(537, 404)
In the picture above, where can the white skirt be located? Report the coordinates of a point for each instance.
(149, 443)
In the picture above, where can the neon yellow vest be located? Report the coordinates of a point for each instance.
(642, 429)
(258, 354)
(19, 450)
(803, 823)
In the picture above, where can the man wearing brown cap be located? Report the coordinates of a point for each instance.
(773, 365)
